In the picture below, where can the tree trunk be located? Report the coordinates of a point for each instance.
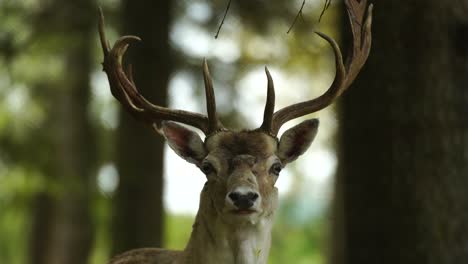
(62, 229)
(404, 156)
(138, 213)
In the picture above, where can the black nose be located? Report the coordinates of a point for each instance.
(243, 201)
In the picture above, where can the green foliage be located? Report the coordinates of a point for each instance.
(303, 243)
(13, 224)
(102, 223)
(17, 185)
(177, 231)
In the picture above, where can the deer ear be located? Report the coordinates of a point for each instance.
(185, 142)
(296, 140)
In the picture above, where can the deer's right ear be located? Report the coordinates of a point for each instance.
(185, 142)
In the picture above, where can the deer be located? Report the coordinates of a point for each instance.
(237, 205)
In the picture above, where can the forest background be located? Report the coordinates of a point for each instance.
(384, 182)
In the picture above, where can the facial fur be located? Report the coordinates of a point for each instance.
(241, 167)
(241, 161)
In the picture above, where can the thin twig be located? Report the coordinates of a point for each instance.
(302, 16)
(224, 17)
(299, 14)
(325, 7)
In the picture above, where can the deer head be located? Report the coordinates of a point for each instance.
(241, 167)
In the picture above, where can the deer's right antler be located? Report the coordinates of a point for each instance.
(123, 88)
(345, 72)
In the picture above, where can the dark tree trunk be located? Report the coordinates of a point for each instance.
(404, 158)
(138, 219)
(62, 229)
(41, 213)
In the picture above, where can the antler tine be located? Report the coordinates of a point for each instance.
(270, 104)
(213, 121)
(124, 89)
(102, 34)
(345, 73)
(361, 37)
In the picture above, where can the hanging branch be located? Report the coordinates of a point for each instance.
(224, 17)
(299, 14)
(325, 7)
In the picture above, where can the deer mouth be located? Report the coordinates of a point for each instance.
(243, 211)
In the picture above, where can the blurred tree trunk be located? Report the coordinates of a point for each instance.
(138, 213)
(402, 188)
(62, 229)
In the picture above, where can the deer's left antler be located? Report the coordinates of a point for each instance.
(345, 72)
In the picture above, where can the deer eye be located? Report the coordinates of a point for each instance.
(276, 168)
(207, 168)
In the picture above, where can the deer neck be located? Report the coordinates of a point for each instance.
(213, 240)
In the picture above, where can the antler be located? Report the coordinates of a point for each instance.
(123, 88)
(345, 73)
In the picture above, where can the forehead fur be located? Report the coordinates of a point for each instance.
(253, 143)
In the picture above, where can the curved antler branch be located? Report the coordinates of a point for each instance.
(345, 72)
(123, 88)
(362, 37)
(304, 108)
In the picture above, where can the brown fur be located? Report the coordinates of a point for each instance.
(220, 234)
(253, 143)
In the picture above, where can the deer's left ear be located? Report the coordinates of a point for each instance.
(296, 140)
(185, 142)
